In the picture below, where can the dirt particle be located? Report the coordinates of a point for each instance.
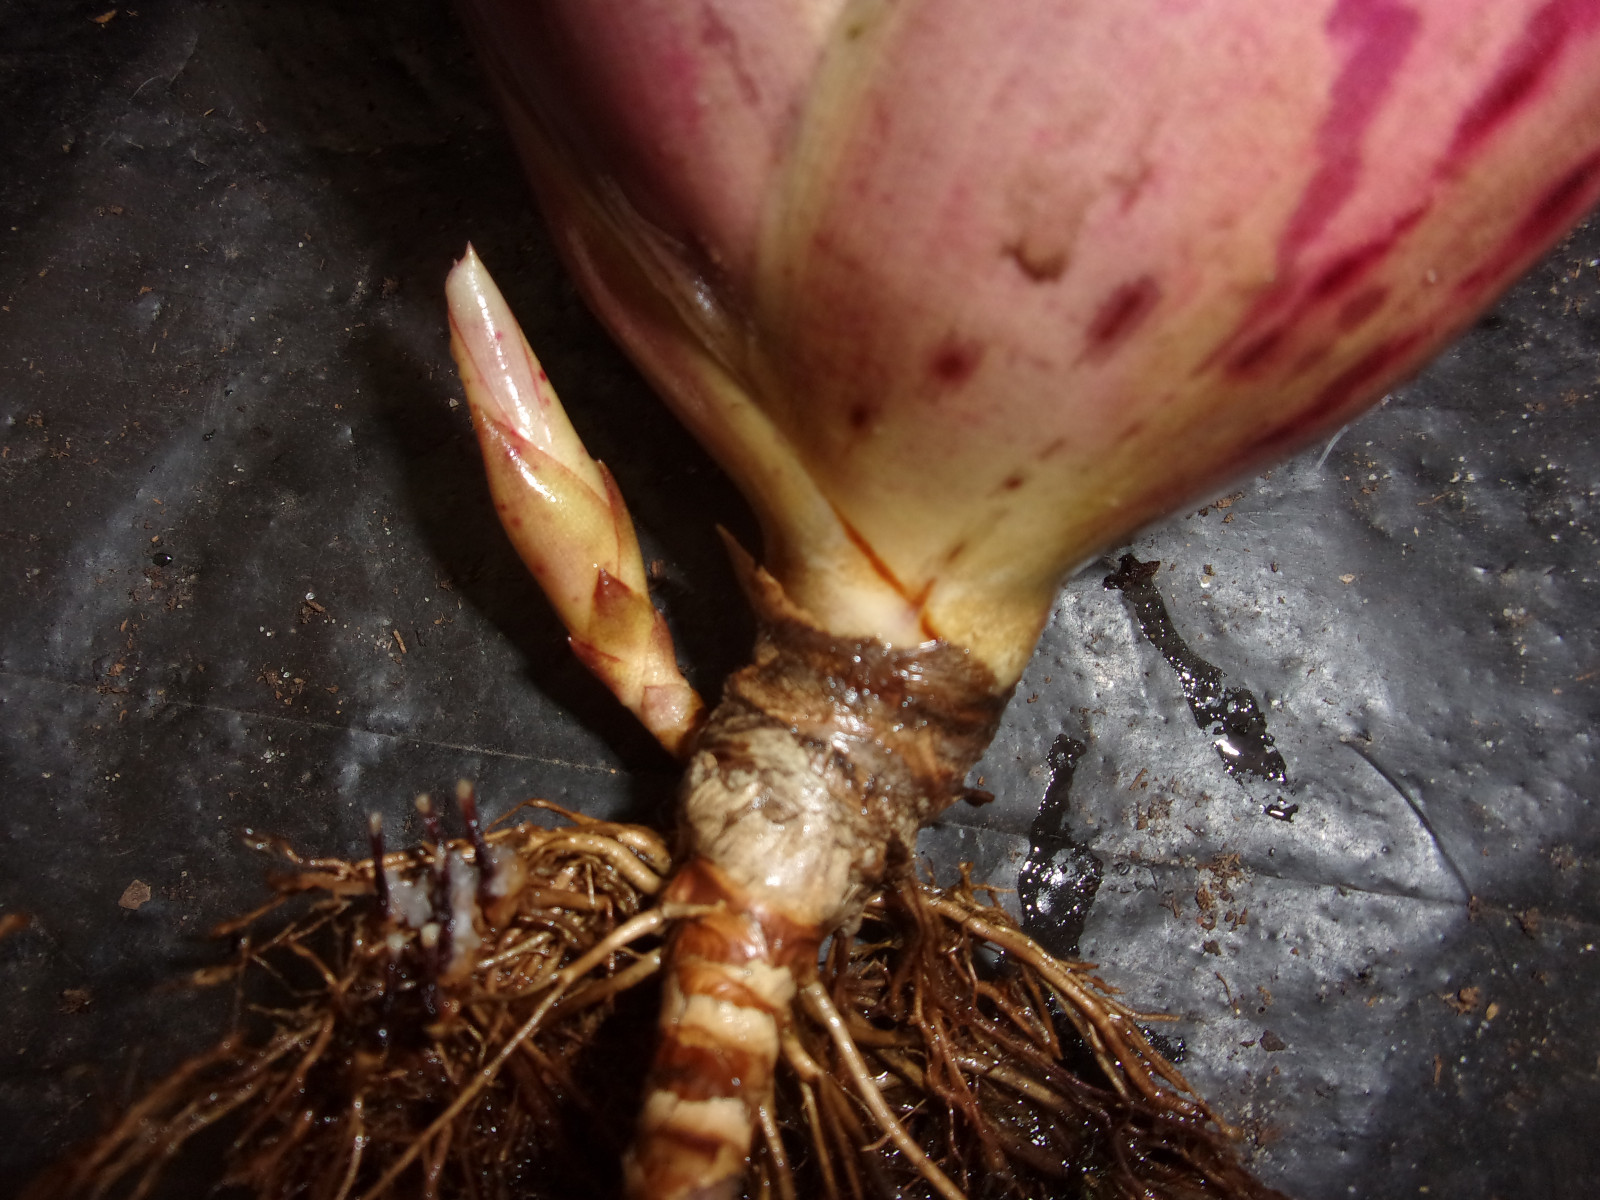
(1464, 1000)
(954, 361)
(134, 895)
(76, 1000)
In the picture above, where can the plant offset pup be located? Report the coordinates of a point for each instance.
(959, 294)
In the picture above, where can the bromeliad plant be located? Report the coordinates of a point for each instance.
(959, 293)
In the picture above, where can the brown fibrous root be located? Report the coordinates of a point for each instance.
(470, 1018)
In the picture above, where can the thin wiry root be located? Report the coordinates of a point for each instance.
(821, 1010)
(1013, 1073)
(426, 1026)
(389, 1003)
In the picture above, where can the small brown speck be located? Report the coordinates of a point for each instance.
(399, 641)
(134, 895)
(76, 1000)
(1464, 1000)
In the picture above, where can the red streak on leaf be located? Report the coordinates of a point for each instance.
(1308, 360)
(1338, 276)
(885, 573)
(1367, 372)
(1120, 313)
(879, 567)
(1562, 202)
(1361, 306)
(1350, 385)
(715, 35)
(1381, 33)
(1257, 354)
(1353, 264)
(1056, 446)
(1523, 69)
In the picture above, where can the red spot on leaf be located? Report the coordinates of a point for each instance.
(954, 361)
(1120, 313)
(1039, 264)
